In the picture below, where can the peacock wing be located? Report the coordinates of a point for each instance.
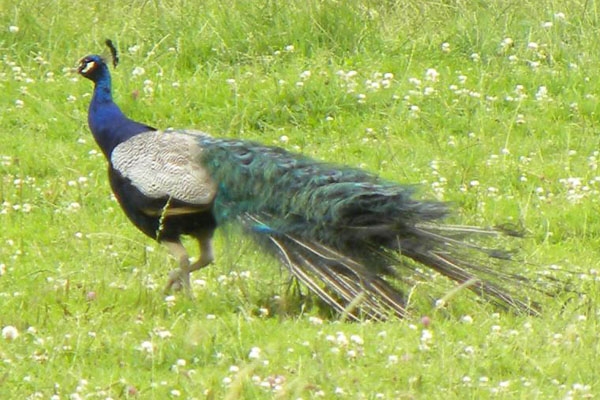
(166, 165)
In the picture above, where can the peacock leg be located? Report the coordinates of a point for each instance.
(180, 277)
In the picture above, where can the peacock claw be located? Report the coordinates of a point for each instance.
(179, 280)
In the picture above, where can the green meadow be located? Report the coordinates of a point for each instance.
(491, 106)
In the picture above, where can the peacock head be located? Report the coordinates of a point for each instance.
(92, 67)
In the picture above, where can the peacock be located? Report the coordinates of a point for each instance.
(351, 237)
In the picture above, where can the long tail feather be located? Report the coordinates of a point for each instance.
(348, 235)
(336, 279)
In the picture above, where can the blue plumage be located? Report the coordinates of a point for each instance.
(345, 233)
(106, 120)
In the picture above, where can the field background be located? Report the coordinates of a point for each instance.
(490, 105)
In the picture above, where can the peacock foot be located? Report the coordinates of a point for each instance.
(179, 280)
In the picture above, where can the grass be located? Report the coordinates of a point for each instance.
(423, 92)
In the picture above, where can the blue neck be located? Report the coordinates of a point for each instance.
(107, 122)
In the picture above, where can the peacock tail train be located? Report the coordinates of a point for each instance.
(341, 230)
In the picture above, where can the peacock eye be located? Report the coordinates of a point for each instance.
(86, 66)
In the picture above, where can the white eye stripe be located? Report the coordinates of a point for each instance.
(89, 66)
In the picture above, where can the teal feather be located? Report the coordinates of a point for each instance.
(347, 227)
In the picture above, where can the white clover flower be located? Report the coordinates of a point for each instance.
(13, 29)
(138, 71)
(254, 353)
(432, 75)
(305, 75)
(414, 81)
(9, 332)
(446, 47)
(357, 339)
(506, 42)
(580, 387)
(426, 335)
(264, 312)
(341, 339)
(467, 319)
(163, 333)
(542, 93)
(374, 85)
(147, 347)
(170, 300)
(197, 282)
(74, 206)
(289, 48)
